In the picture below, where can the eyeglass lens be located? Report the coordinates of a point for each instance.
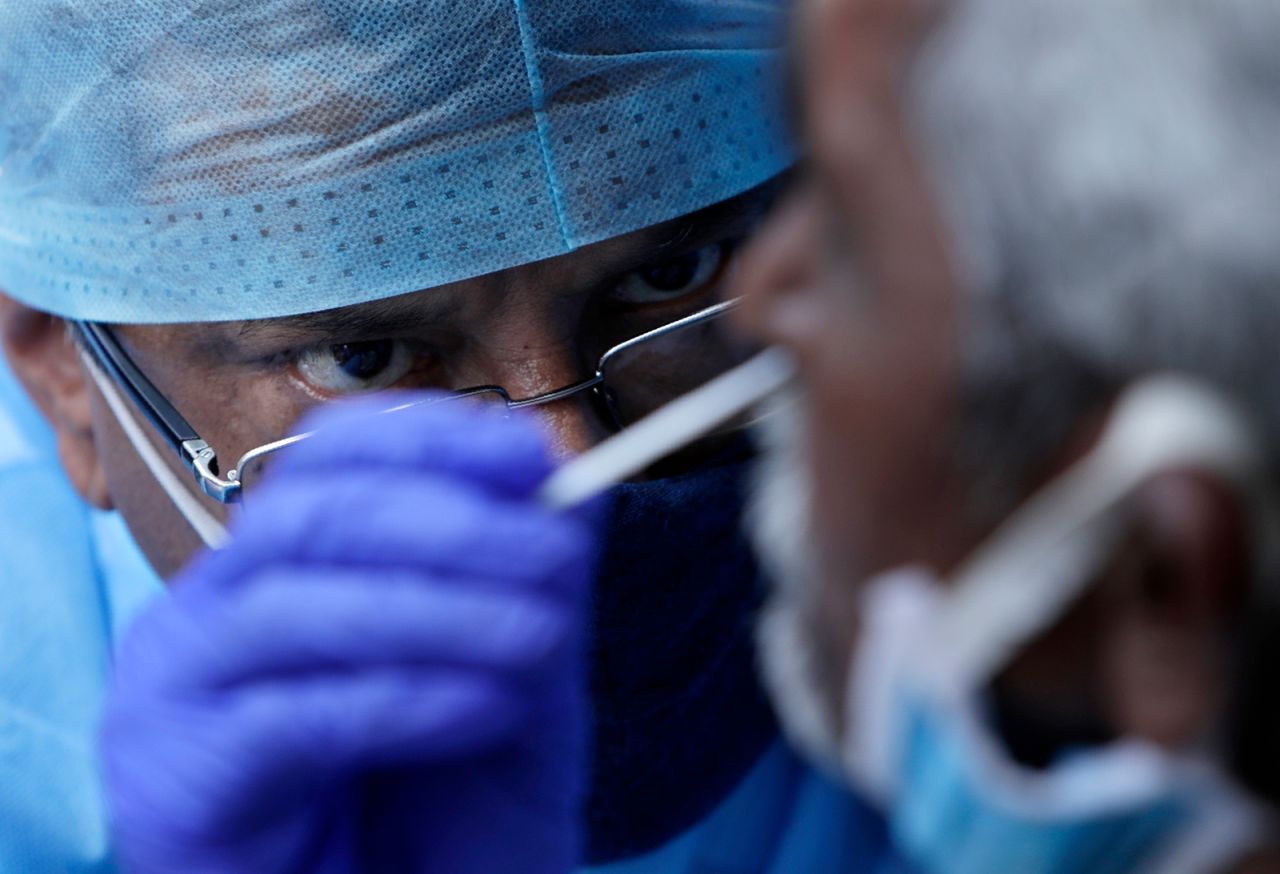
(640, 378)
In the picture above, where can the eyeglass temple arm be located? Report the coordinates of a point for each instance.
(711, 312)
(590, 382)
(194, 451)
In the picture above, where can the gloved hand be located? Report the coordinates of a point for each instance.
(383, 672)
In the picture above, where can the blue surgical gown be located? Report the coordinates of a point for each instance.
(70, 579)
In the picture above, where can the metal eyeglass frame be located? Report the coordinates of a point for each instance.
(201, 459)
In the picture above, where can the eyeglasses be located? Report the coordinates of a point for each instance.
(631, 380)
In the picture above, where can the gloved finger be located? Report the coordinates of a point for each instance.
(344, 721)
(260, 739)
(342, 620)
(390, 520)
(506, 453)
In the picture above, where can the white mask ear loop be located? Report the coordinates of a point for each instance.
(1024, 577)
(209, 529)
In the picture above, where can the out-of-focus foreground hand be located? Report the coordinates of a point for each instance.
(383, 672)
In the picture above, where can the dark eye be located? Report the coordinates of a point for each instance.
(345, 368)
(668, 280)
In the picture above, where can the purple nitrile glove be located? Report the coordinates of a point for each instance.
(384, 671)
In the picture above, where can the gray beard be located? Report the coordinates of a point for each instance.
(779, 522)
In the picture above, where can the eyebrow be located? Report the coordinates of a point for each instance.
(372, 318)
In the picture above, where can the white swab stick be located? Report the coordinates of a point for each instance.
(669, 428)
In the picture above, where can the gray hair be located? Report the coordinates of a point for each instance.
(1110, 170)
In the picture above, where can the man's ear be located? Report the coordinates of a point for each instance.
(1173, 597)
(44, 358)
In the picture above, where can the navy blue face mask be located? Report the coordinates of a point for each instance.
(679, 715)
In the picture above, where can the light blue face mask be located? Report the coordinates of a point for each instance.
(915, 739)
(958, 804)
(187, 160)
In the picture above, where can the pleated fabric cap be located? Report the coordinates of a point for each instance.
(204, 160)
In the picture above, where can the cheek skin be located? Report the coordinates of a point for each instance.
(163, 535)
(232, 412)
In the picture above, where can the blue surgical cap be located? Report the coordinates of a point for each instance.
(200, 160)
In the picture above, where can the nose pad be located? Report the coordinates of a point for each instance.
(574, 424)
(547, 362)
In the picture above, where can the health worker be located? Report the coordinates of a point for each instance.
(1023, 512)
(366, 648)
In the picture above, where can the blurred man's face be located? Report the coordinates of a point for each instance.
(853, 276)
